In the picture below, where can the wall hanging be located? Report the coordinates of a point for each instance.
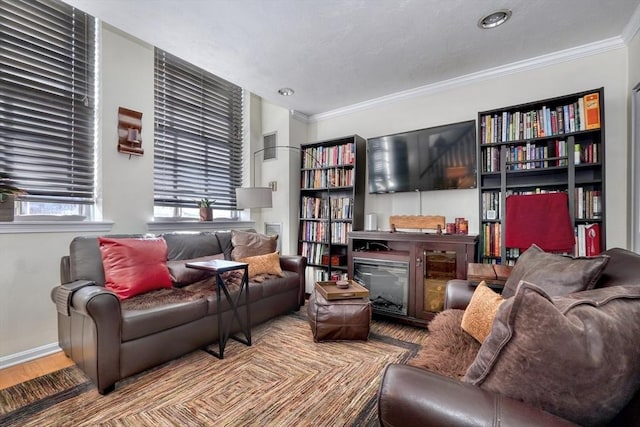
(129, 132)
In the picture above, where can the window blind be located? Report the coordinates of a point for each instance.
(198, 135)
(47, 77)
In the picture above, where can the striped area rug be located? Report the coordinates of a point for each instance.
(283, 379)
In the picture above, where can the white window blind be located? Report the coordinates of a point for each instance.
(47, 119)
(198, 135)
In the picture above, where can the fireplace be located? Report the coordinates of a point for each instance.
(387, 282)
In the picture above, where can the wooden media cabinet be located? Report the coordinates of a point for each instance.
(406, 272)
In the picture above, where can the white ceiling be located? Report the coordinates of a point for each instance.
(338, 53)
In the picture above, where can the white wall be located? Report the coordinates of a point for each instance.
(127, 78)
(30, 261)
(454, 104)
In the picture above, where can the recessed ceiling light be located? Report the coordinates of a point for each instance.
(494, 19)
(286, 91)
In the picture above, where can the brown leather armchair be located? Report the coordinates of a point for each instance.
(411, 396)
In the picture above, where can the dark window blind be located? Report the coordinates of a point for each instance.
(47, 73)
(198, 135)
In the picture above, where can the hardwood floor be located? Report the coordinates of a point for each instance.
(25, 371)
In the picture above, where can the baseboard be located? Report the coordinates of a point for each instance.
(27, 355)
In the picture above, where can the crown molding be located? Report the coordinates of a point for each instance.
(299, 116)
(632, 27)
(586, 50)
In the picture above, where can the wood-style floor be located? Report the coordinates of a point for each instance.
(25, 371)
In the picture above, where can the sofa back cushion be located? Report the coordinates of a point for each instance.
(191, 245)
(85, 260)
(623, 268)
(556, 274)
(574, 356)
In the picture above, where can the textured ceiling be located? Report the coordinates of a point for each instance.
(337, 53)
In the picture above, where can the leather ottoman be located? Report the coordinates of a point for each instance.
(341, 319)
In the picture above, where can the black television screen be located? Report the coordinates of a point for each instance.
(436, 158)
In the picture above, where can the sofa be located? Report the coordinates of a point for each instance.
(550, 358)
(110, 336)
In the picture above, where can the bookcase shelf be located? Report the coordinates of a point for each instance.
(331, 170)
(550, 145)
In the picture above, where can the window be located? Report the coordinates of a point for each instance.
(198, 138)
(47, 108)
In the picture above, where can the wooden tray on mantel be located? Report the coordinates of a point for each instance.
(330, 291)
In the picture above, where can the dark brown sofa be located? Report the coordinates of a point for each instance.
(110, 339)
(413, 396)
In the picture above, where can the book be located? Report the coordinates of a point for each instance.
(592, 239)
(592, 111)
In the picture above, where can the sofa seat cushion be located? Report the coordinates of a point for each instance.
(276, 285)
(159, 311)
(574, 356)
(207, 289)
(448, 350)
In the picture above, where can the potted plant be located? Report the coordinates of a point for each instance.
(206, 209)
(8, 193)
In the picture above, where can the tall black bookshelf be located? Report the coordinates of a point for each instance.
(332, 176)
(551, 145)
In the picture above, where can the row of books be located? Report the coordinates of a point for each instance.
(322, 157)
(588, 203)
(587, 239)
(316, 208)
(491, 205)
(327, 178)
(588, 243)
(491, 238)
(583, 114)
(313, 252)
(589, 153)
(317, 231)
(526, 156)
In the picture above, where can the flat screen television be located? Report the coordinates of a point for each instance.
(436, 158)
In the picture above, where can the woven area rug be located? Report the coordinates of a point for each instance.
(283, 379)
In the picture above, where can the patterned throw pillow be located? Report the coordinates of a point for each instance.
(478, 317)
(263, 264)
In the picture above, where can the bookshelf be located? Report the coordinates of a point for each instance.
(330, 170)
(551, 145)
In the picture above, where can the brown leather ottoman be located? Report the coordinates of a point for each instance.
(341, 319)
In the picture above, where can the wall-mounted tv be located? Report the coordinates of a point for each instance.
(436, 158)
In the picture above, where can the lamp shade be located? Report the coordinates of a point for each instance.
(253, 197)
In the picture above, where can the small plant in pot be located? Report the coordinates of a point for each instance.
(206, 209)
(8, 193)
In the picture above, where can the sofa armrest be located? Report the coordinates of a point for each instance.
(92, 334)
(411, 396)
(458, 294)
(297, 264)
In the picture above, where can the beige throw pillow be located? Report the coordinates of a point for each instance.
(247, 244)
(478, 317)
(263, 264)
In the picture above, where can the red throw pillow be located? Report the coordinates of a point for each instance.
(134, 266)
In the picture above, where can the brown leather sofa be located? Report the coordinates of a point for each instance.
(411, 396)
(109, 342)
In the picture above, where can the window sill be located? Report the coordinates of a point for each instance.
(164, 225)
(55, 226)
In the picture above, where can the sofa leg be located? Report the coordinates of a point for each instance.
(107, 390)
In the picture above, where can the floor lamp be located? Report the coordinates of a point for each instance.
(262, 197)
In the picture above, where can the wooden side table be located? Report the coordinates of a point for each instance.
(494, 275)
(221, 266)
